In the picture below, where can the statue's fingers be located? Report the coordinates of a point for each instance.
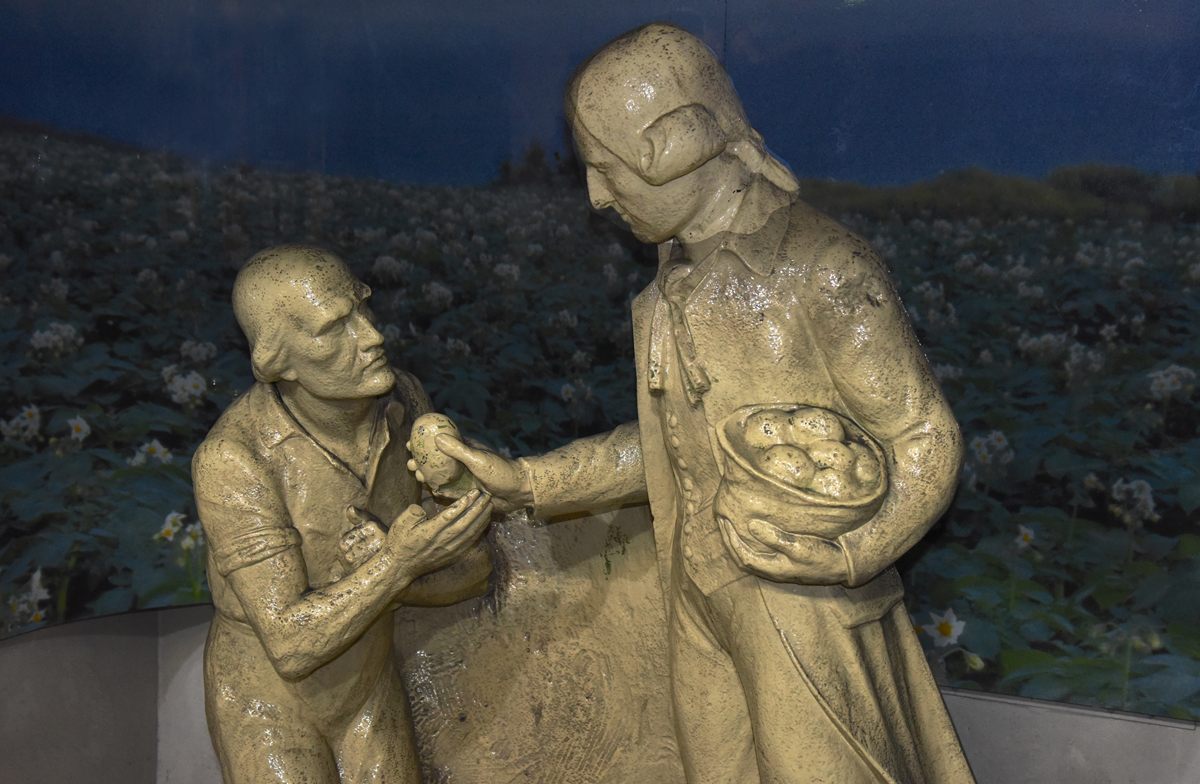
(476, 461)
(410, 517)
(358, 517)
(771, 536)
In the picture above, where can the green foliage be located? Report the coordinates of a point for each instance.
(1064, 342)
(1075, 193)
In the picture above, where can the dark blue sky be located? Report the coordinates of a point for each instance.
(868, 90)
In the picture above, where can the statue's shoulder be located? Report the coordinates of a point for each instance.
(241, 434)
(827, 257)
(815, 235)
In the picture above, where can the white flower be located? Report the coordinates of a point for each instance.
(37, 591)
(1134, 502)
(1047, 347)
(186, 388)
(944, 629)
(566, 318)
(1024, 538)
(437, 294)
(1025, 291)
(947, 372)
(509, 272)
(581, 359)
(196, 351)
(24, 426)
(567, 393)
(171, 525)
(389, 269)
(58, 338)
(1174, 381)
(151, 450)
(457, 347)
(79, 428)
(991, 449)
(193, 536)
(1082, 360)
(55, 289)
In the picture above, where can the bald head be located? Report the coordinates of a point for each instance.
(282, 289)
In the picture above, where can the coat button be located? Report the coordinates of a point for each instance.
(672, 420)
(683, 466)
(688, 484)
(687, 552)
(674, 441)
(690, 506)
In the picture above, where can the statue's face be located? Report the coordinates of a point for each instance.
(334, 350)
(654, 213)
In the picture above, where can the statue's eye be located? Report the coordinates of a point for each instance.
(332, 327)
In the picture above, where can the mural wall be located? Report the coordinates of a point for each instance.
(1052, 277)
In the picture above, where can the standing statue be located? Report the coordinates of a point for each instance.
(300, 675)
(791, 440)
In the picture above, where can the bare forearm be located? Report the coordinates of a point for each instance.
(322, 623)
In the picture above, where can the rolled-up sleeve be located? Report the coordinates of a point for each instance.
(240, 509)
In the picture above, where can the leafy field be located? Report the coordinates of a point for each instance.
(1068, 568)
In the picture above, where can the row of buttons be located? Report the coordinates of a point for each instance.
(687, 483)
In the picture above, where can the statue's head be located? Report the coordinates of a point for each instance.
(306, 319)
(658, 102)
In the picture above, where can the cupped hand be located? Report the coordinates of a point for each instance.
(423, 544)
(785, 557)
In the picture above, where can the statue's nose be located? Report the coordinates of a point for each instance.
(597, 190)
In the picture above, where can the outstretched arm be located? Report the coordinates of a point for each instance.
(588, 474)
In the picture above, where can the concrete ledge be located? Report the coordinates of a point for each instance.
(1010, 740)
(576, 644)
(78, 702)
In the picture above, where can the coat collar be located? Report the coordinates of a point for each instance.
(753, 239)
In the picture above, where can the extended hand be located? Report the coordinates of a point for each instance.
(789, 558)
(422, 544)
(502, 477)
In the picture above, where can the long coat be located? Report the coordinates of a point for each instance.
(795, 309)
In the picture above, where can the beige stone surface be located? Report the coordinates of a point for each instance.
(560, 675)
(791, 657)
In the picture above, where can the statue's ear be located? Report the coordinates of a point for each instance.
(268, 359)
(679, 142)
